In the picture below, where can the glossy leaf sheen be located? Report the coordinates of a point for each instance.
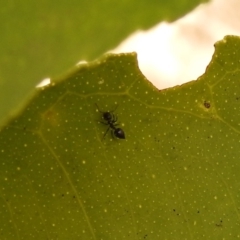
(175, 176)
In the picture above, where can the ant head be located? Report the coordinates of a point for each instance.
(107, 116)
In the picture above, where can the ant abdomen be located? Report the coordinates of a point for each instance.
(119, 133)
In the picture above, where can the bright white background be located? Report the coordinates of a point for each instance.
(171, 54)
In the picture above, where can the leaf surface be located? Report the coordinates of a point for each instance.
(175, 176)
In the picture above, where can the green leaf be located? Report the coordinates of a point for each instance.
(175, 176)
(42, 39)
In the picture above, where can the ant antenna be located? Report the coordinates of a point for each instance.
(108, 111)
(98, 108)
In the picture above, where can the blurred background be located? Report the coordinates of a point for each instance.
(172, 54)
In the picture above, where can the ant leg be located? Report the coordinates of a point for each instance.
(114, 121)
(105, 133)
(114, 118)
(112, 133)
(115, 108)
(104, 123)
(115, 124)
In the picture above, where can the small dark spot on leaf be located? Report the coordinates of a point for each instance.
(62, 195)
(219, 224)
(206, 104)
(176, 212)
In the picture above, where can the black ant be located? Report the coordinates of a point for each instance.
(110, 120)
